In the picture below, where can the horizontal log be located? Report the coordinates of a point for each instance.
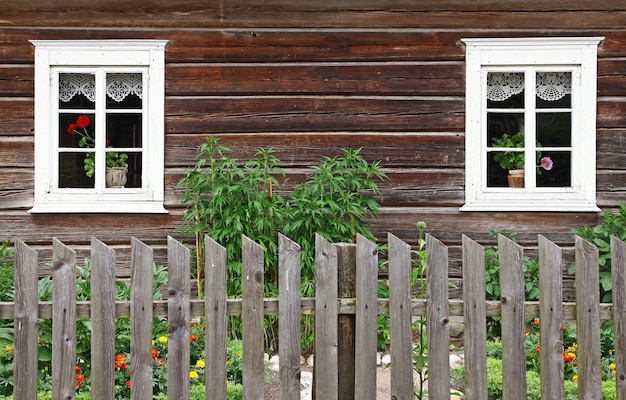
(438, 43)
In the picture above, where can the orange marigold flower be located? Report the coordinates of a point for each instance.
(80, 379)
(526, 332)
(575, 378)
(120, 361)
(128, 383)
(569, 357)
(565, 327)
(193, 338)
(192, 324)
(77, 369)
(155, 354)
(535, 322)
(538, 349)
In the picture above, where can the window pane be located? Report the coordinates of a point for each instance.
(72, 170)
(124, 130)
(76, 130)
(124, 91)
(505, 90)
(77, 91)
(554, 89)
(497, 176)
(134, 170)
(500, 123)
(554, 129)
(560, 175)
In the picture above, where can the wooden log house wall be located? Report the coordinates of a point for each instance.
(307, 79)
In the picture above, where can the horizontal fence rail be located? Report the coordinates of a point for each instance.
(345, 299)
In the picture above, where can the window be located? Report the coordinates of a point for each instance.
(99, 126)
(530, 124)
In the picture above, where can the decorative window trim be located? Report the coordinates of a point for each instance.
(144, 57)
(578, 54)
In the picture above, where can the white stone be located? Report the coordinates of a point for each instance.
(379, 358)
(455, 361)
(306, 379)
(310, 361)
(386, 360)
(274, 364)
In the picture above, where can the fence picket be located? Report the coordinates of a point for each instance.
(366, 318)
(326, 386)
(102, 321)
(618, 274)
(178, 319)
(141, 311)
(474, 311)
(587, 320)
(289, 318)
(215, 314)
(252, 318)
(400, 318)
(513, 324)
(64, 321)
(551, 317)
(346, 289)
(26, 322)
(438, 318)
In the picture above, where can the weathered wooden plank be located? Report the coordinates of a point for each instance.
(326, 335)
(346, 289)
(102, 320)
(26, 322)
(474, 311)
(438, 319)
(313, 113)
(252, 319)
(400, 319)
(406, 78)
(618, 275)
(63, 322)
(215, 314)
(513, 324)
(140, 311)
(289, 318)
(178, 320)
(588, 320)
(551, 316)
(366, 322)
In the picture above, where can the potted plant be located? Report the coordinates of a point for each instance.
(116, 163)
(513, 161)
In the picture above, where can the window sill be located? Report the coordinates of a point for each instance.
(126, 207)
(528, 205)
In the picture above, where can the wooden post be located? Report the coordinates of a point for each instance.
(551, 317)
(513, 337)
(102, 320)
(178, 312)
(63, 322)
(26, 322)
(588, 319)
(366, 319)
(326, 320)
(346, 289)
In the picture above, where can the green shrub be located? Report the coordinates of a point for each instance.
(613, 224)
(6, 272)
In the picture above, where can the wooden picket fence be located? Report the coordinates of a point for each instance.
(334, 377)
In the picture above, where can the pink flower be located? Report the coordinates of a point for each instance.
(546, 163)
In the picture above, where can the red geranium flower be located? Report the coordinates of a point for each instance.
(83, 121)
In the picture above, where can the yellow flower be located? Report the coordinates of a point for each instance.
(199, 364)
(575, 378)
(193, 375)
(8, 349)
(612, 365)
(162, 339)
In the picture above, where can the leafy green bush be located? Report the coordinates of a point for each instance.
(613, 224)
(6, 272)
(226, 199)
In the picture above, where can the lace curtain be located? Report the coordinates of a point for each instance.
(118, 86)
(550, 86)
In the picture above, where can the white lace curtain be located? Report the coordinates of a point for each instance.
(118, 86)
(550, 86)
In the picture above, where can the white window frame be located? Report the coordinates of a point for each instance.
(99, 56)
(573, 54)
